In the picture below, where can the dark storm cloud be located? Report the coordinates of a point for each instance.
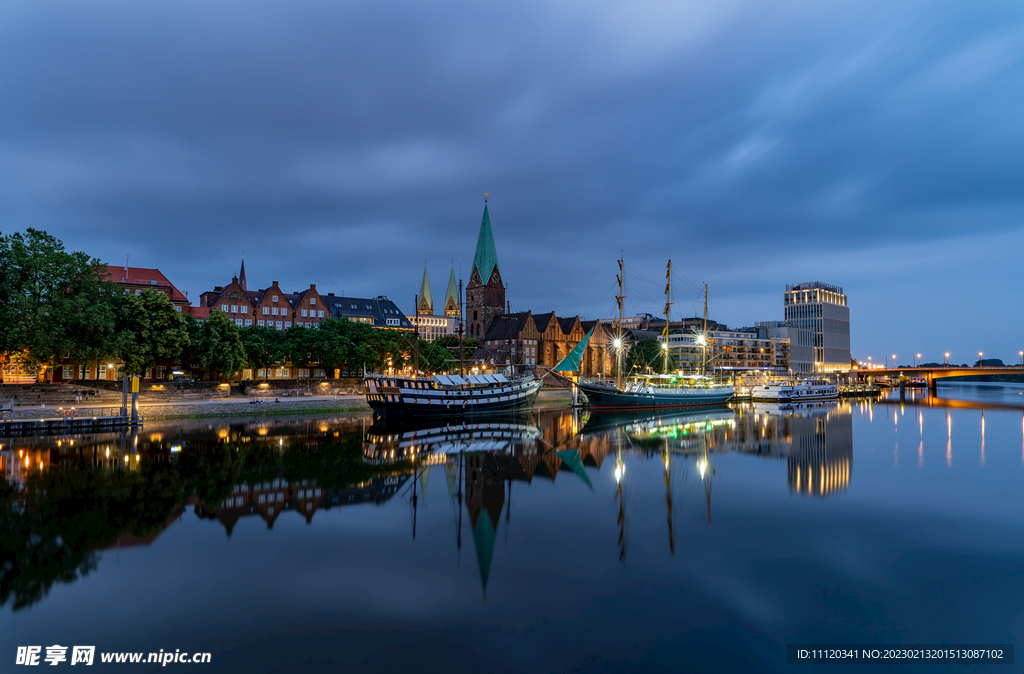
(863, 144)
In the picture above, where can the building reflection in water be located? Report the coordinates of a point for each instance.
(124, 488)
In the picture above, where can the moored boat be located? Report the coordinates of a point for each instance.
(656, 391)
(450, 395)
(795, 391)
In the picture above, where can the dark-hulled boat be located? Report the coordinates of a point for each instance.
(450, 395)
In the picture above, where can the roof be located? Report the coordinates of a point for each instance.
(379, 308)
(542, 320)
(453, 293)
(425, 295)
(486, 258)
(567, 324)
(505, 324)
(143, 276)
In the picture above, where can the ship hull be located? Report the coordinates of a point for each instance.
(605, 398)
(454, 402)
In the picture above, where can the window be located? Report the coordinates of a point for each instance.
(304, 312)
(287, 324)
(138, 292)
(273, 311)
(69, 372)
(152, 281)
(234, 308)
(320, 314)
(261, 323)
(279, 325)
(248, 322)
(177, 308)
(303, 372)
(281, 372)
(274, 298)
(266, 311)
(103, 372)
(245, 309)
(224, 308)
(238, 322)
(312, 301)
(261, 373)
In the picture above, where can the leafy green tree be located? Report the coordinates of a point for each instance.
(435, 358)
(220, 351)
(451, 343)
(264, 347)
(53, 302)
(149, 330)
(648, 353)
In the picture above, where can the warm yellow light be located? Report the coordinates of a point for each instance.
(126, 458)
(136, 457)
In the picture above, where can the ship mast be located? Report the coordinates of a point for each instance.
(462, 314)
(704, 351)
(668, 304)
(416, 338)
(618, 328)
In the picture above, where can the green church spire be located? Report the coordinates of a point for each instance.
(486, 258)
(426, 306)
(451, 298)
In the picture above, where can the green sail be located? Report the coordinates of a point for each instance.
(571, 363)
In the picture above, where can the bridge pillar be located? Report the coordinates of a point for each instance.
(933, 386)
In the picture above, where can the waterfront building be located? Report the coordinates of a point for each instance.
(274, 308)
(725, 350)
(136, 279)
(533, 341)
(485, 292)
(822, 309)
(801, 345)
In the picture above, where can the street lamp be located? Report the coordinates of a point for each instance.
(981, 361)
(919, 360)
(947, 359)
(1022, 357)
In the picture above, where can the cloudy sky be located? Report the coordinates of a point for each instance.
(871, 145)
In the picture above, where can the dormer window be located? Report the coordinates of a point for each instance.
(312, 301)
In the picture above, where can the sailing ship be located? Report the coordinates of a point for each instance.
(654, 391)
(450, 394)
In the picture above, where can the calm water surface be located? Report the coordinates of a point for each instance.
(703, 541)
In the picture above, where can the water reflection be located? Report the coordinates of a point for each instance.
(67, 499)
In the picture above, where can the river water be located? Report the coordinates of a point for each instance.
(706, 541)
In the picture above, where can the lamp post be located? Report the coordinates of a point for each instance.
(1022, 357)
(947, 359)
(981, 361)
(918, 360)
(894, 361)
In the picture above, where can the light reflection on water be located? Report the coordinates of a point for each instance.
(637, 539)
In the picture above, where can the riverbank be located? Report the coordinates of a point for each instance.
(237, 406)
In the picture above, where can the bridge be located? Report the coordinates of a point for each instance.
(933, 374)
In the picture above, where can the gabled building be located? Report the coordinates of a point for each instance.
(136, 279)
(531, 340)
(379, 311)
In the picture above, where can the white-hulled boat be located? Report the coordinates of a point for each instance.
(795, 391)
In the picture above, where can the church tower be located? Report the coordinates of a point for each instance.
(426, 306)
(451, 298)
(485, 292)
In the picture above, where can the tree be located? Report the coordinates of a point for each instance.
(264, 348)
(648, 353)
(220, 351)
(53, 302)
(149, 330)
(451, 342)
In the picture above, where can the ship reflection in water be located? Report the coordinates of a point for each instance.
(123, 489)
(745, 525)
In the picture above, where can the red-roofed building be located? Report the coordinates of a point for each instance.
(137, 279)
